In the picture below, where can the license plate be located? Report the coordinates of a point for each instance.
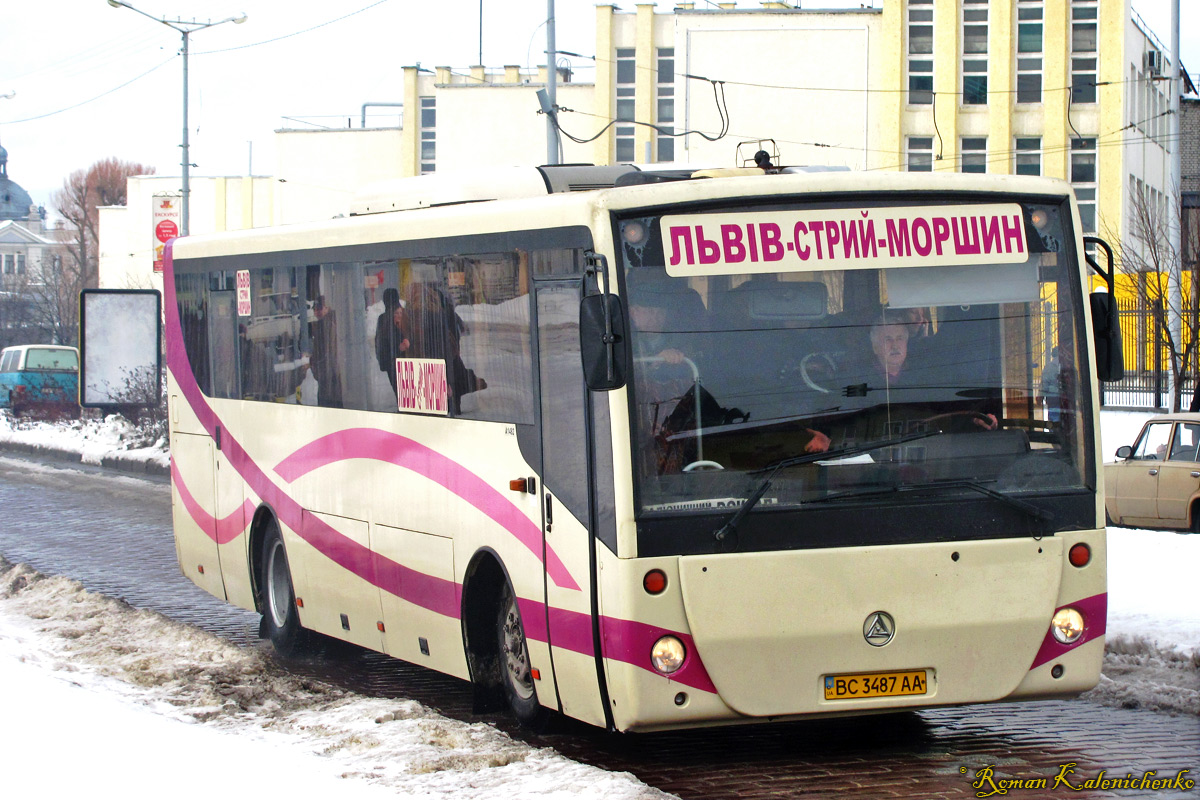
(876, 684)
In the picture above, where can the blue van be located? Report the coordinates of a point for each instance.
(40, 377)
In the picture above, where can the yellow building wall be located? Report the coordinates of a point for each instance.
(946, 85)
(603, 100)
(1056, 74)
(886, 130)
(1002, 48)
(1110, 150)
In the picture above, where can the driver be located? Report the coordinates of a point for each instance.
(887, 369)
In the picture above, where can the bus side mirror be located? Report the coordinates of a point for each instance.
(1106, 328)
(120, 350)
(605, 365)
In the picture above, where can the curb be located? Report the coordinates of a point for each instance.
(114, 461)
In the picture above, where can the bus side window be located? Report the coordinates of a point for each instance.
(493, 371)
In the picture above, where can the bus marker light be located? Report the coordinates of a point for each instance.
(200, 568)
(536, 674)
(1067, 625)
(655, 581)
(517, 485)
(633, 232)
(299, 602)
(379, 625)
(1080, 555)
(667, 655)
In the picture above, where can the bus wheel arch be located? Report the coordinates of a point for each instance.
(495, 640)
(483, 583)
(275, 594)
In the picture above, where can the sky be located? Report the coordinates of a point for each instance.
(92, 81)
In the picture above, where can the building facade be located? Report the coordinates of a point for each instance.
(30, 256)
(1073, 89)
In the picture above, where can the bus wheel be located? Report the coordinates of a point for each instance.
(515, 671)
(282, 621)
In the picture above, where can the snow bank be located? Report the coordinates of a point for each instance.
(95, 440)
(105, 686)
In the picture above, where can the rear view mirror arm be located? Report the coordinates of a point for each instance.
(598, 263)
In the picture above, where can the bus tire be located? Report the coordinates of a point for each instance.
(515, 671)
(281, 620)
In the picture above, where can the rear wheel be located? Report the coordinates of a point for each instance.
(516, 674)
(280, 617)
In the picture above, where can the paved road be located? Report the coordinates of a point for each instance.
(112, 533)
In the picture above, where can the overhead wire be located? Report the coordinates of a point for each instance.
(93, 99)
(295, 33)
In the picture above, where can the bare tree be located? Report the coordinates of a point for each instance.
(1148, 257)
(82, 193)
(51, 297)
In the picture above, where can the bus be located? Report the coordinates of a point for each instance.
(658, 450)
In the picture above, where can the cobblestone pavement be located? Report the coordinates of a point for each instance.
(112, 533)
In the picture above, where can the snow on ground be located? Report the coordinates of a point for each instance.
(92, 439)
(98, 694)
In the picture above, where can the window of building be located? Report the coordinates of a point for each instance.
(920, 154)
(1027, 158)
(974, 45)
(8, 263)
(920, 52)
(1084, 43)
(428, 134)
(1083, 180)
(974, 154)
(1029, 51)
(20, 257)
(626, 79)
(665, 118)
(974, 82)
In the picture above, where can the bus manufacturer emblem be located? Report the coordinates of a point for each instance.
(879, 628)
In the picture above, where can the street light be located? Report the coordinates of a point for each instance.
(186, 29)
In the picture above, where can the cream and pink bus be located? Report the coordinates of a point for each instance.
(658, 450)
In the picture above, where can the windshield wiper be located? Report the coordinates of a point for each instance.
(727, 534)
(1029, 508)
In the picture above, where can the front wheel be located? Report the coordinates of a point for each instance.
(515, 671)
(280, 617)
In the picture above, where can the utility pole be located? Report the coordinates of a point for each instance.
(185, 29)
(552, 87)
(1175, 196)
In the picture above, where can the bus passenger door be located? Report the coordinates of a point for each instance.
(566, 506)
(193, 503)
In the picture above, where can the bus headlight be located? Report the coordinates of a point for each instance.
(667, 655)
(1067, 625)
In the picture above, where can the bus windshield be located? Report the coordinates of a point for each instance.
(873, 355)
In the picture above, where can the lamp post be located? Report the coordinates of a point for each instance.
(185, 29)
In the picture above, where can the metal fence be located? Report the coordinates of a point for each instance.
(1147, 362)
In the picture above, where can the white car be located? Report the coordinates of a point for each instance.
(1155, 483)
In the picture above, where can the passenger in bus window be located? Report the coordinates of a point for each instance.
(323, 359)
(1049, 390)
(391, 334)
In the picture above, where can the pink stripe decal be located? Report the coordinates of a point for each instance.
(1095, 622)
(629, 641)
(404, 452)
(625, 640)
(221, 531)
